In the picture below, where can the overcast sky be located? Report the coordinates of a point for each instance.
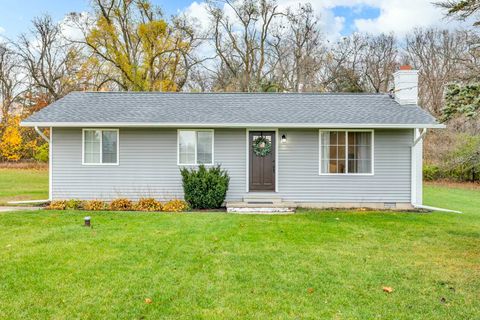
(339, 17)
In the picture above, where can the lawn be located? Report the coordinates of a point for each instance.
(328, 264)
(23, 184)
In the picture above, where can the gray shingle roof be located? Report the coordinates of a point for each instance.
(229, 109)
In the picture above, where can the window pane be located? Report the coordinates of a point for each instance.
(333, 137)
(187, 147)
(92, 157)
(333, 151)
(341, 137)
(325, 138)
(359, 152)
(204, 147)
(341, 166)
(341, 152)
(92, 136)
(109, 146)
(333, 166)
(325, 166)
(92, 146)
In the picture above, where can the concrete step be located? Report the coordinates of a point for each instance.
(244, 204)
(255, 207)
(262, 198)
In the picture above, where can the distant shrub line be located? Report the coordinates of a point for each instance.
(459, 165)
(120, 204)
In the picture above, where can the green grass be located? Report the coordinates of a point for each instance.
(329, 264)
(23, 184)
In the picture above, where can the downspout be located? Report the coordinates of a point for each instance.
(50, 154)
(416, 168)
(41, 134)
(422, 135)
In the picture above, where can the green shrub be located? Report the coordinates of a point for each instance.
(431, 172)
(464, 163)
(94, 205)
(205, 188)
(175, 205)
(121, 204)
(73, 204)
(57, 205)
(148, 204)
(41, 154)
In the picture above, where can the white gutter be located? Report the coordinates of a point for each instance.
(231, 125)
(41, 134)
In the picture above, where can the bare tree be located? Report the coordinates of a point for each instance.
(49, 61)
(241, 41)
(344, 64)
(379, 62)
(298, 49)
(436, 54)
(10, 84)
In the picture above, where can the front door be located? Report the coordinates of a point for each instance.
(262, 160)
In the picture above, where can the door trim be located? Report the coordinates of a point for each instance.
(247, 156)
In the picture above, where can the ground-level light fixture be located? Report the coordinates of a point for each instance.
(284, 138)
(87, 221)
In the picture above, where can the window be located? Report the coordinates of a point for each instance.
(346, 152)
(195, 147)
(100, 146)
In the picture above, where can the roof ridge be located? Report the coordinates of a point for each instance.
(236, 93)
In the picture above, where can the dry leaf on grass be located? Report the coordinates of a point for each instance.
(387, 289)
(310, 290)
(148, 300)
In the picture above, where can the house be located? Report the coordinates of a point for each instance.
(312, 150)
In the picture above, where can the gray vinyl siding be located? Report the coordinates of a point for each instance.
(299, 178)
(148, 167)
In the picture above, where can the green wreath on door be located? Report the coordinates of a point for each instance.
(262, 146)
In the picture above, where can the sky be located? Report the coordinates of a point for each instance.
(338, 17)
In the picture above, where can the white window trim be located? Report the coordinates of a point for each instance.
(196, 163)
(101, 150)
(346, 152)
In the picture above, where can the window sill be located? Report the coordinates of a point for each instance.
(100, 164)
(346, 174)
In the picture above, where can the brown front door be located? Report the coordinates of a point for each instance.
(262, 168)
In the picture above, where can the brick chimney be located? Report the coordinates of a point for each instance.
(406, 85)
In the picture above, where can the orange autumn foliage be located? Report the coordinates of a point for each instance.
(11, 141)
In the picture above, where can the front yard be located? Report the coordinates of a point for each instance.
(329, 264)
(23, 184)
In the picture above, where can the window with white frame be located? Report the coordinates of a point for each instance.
(195, 147)
(100, 146)
(346, 152)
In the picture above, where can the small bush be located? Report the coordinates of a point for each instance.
(205, 188)
(57, 205)
(431, 172)
(41, 154)
(148, 204)
(121, 204)
(94, 205)
(73, 204)
(175, 205)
